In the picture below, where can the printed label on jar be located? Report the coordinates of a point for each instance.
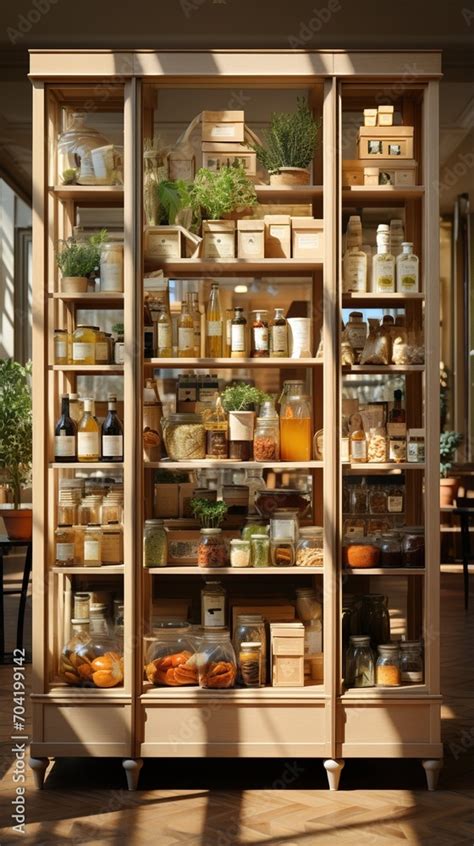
(260, 338)
(216, 443)
(185, 338)
(395, 504)
(238, 338)
(91, 550)
(102, 352)
(60, 349)
(280, 339)
(65, 446)
(112, 446)
(214, 614)
(359, 450)
(87, 443)
(164, 337)
(214, 328)
(413, 676)
(82, 350)
(64, 552)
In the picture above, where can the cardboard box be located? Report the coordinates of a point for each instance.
(162, 242)
(218, 239)
(215, 156)
(370, 117)
(394, 172)
(385, 115)
(186, 493)
(307, 235)
(287, 654)
(223, 126)
(277, 235)
(385, 142)
(250, 239)
(371, 176)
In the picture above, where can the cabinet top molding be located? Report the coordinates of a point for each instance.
(407, 66)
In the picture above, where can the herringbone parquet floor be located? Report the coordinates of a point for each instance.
(227, 803)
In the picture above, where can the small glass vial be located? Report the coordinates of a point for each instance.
(411, 662)
(93, 546)
(260, 550)
(416, 446)
(155, 544)
(251, 664)
(407, 270)
(64, 540)
(358, 447)
(387, 668)
(61, 346)
(260, 347)
(282, 552)
(239, 553)
(279, 335)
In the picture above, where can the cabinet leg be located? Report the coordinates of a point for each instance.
(132, 767)
(432, 766)
(333, 769)
(39, 767)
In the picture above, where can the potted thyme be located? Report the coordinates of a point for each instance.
(77, 260)
(288, 146)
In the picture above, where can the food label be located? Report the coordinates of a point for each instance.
(60, 349)
(251, 244)
(164, 337)
(216, 443)
(356, 335)
(219, 245)
(416, 452)
(260, 338)
(102, 352)
(238, 338)
(87, 444)
(280, 339)
(92, 550)
(185, 339)
(112, 446)
(82, 351)
(223, 130)
(308, 242)
(384, 274)
(355, 273)
(359, 450)
(395, 504)
(407, 274)
(65, 446)
(213, 611)
(214, 328)
(65, 552)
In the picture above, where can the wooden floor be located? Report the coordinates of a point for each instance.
(212, 803)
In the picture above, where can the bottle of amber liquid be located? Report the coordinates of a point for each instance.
(238, 331)
(164, 341)
(214, 324)
(397, 412)
(279, 335)
(88, 435)
(217, 428)
(185, 333)
(260, 340)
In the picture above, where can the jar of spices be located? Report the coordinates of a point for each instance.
(260, 345)
(81, 605)
(61, 346)
(358, 447)
(93, 546)
(413, 546)
(155, 544)
(282, 552)
(212, 550)
(67, 509)
(309, 551)
(251, 664)
(390, 550)
(416, 446)
(90, 510)
(266, 439)
(251, 627)
(83, 345)
(360, 670)
(213, 597)
(387, 668)
(396, 499)
(411, 662)
(239, 553)
(260, 550)
(377, 445)
(64, 541)
(359, 499)
(112, 544)
(378, 500)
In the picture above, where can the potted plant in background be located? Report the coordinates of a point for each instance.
(289, 145)
(240, 402)
(448, 444)
(16, 433)
(225, 194)
(77, 260)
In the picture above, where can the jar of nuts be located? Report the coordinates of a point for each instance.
(377, 445)
(266, 440)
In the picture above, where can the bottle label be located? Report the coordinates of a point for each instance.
(60, 349)
(119, 352)
(65, 446)
(164, 337)
(91, 550)
(82, 351)
(384, 273)
(395, 504)
(102, 352)
(112, 446)
(280, 339)
(185, 338)
(413, 676)
(260, 338)
(355, 273)
(64, 552)
(359, 450)
(214, 328)
(87, 444)
(407, 274)
(238, 338)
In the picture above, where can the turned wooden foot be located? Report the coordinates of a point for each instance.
(39, 767)
(432, 767)
(333, 769)
(132, 767)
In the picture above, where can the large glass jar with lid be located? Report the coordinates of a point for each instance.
(217, 664)
(387, 668)
(254, 525)
(184, 436)
(92, 656)
(296, 431)
(413, 546)
(170, 655)
(359, 663)
(309, 550)
(155, 544)
(83, 344)
(391, 550)
(75, 147)
(251, 627)
(212, 551)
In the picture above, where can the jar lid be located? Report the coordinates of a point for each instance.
(410, 644)
(216, 634)
(355, 316)
(260, 537)
(239, 542)
(251, 644)
(185, 417)
(154, 522)
(310, 531)
(64, 525)
(79, 621)
(416, 433)
(389, 647)
(211, 532)
(85, 326)
(360, 640)
(171, 626)
(65, 332)
(250, 618)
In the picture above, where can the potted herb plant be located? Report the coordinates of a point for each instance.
(448, 444)
(77, 260)
(155, 171)
(224, 194)
(288, 146)
(240, 402)
(212, 550)
(16, 434)
(210, 513)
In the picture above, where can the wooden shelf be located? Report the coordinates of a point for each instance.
(234, 694)
(289, 193)
(206, 363)
(234, 571)
(229, 464)
(95, 193)
(375, 300)
(384, 194)
(87, 368)
(105, 570)
(84, 465)
(384, 571)
(235, 267)
(402, 692)
(91, 299)
(383, 368)
(376, 468)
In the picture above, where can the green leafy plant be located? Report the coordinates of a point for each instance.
(173, 198)
(210, 514)
(221, 192)
(80, 258)
(118, 329)
(16, 425)
(448, 444)
(242, 397)
(291, 139)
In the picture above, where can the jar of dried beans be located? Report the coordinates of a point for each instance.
(266, 440)
(212, 550)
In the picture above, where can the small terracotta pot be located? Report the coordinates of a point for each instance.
(74, 284)
(291, 176)
(18, 522)
(448, 489)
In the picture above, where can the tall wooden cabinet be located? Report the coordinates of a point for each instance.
(135, 95)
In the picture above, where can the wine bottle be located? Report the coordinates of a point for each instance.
(185, 333)
(214, 324)
(65, 434)
(112, 433)
(88, 435)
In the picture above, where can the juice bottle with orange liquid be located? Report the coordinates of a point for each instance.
(296, 431)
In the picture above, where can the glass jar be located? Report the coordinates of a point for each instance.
(387, 668)
(296, 435)
(93, 546)
(391, 550)
(213, 597)
(282, 552)
(67, 509)
(81, 605)
(212, 550)
(396, 499)
(378, 500)
(360, 670)
(375, 619)
(111, 266)
(184, 436)
(377, 445)
(90, 510)
(359, 499)
(360, 553)
(217, 663)
(358, 447)
(251, 664)
(255, 483)
(112, 544)
(61, 346)
(260, 550)
(251, 627)
(83, 344)
(397, 448)
(266, 439)
(283, 525)
(170, 655)
(65, 546)
(309, 551)
(155, 544)
(112, 507)
(239, 553)
(356, 333)
(411, 662)
(416, 446)
(101, 346)
(92, 657)
(75, 147)
(254, 527)
(413, 546)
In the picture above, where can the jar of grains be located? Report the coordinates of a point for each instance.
(155, 544)
(266, 439)
(387, 668)
(212, 550)
(239, 553)
(309, 551)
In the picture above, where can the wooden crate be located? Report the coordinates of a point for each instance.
(223, 126)
(216, 156)
(401, 173)
(385, 142)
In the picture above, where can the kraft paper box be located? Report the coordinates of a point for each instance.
(277, 235)
(250, 239)
(307, 238)
(287, 654)
(218, 239)
(223, 126)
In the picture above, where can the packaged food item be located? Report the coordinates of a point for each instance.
(155, 544)
(260, 550)
(416, 446)
(377, 346)
(355, 333)
(377, 445)
(216, 660)
(170, 657)
(251, 628)
(282, 552)
(400, 342)
(378, 500)
(251, 664)
(266, 440)
(239, 553)
(184, 436)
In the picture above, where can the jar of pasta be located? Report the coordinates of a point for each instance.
(377, 445)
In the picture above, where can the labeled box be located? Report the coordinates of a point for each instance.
(277, 235)
(216, 156)
(399, 173)
(223, 126)
(162, 242)
(385, 115)
(250, 239)
(385, 142)
(218, 239)
(307, 235)
(287, 654)
(370, 117)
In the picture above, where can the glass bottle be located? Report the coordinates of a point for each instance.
(383, 263)
(356, 333)
(295, 423)
(65, 435)
(397, 412)
(360, 671)
(164, 336)
(185, 333)
(279, 335)
(354, 269)
(411, 662)
(155, 544)
(213, 596)
(217, 432)
(229, 314)
(112, 433)
(83, 345)
(193, 300)
(214, 324)
(60, 346)
(149, 339)
(238, 329)
(259, 347)
(88, 435)
(358, 447)
(64, 543)
(93, 545)
(407, 270)
(387, 668)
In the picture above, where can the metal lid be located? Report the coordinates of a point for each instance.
(388, 647)
(251, 644)
(360, 640)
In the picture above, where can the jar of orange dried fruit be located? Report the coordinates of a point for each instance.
(170, 655)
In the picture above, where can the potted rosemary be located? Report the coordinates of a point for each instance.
(16, 435)
(288, 146)
(77, 260)
(448, 444)
(212, 551)
(240, 402)
(220, 198)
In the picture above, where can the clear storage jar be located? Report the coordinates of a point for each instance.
(375, 619)
(61, 355)
(212, 551)
(282, 552)
(111, 266)
(65, 546)
(387, 668)
(260, 550)
(93, 546)
(251, 664)
(266, 439)
(93, 656)
(251, 627)
(390, 550)
(170, 655)
(309, 551)
(411, 662)
(377, 445)
(360, 669)
(184, 436)
(155, 544)
(239, 553)
(217, 664)
(83, 344)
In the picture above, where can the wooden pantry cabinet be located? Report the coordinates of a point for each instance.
(131, 96)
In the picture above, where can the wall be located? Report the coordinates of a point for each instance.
(14, 214)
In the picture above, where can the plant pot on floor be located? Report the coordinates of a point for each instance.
(18, 522)
(448, 489)
(74, 284)
(290, 176)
